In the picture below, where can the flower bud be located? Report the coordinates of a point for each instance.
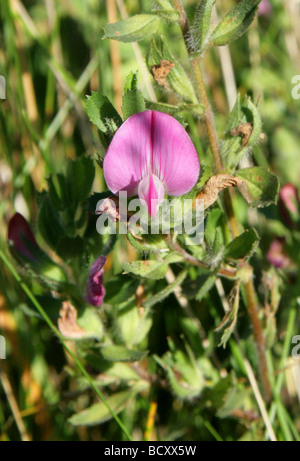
(95, 290)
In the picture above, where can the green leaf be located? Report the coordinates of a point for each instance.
(49, 222)
(211, 224)
(91, 323)
(133, 29)
(260, 187)
(176, 79)
(99, 413)
(79, 179)
(131, 82)
(229, 321)
(122, 354)
(133, 100)
(70, 247)
(235, 23)
(201, 27)
(120, 289)
(166, 291)
(147, 243)
(236, 145)
(167, 11)
(180, 110)
(153, 270)
(205, 281)
(102, 113)
(243, 246)
(234, 400)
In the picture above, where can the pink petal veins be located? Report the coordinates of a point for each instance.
(151, 193)
(151, 143)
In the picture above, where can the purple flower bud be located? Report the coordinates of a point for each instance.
(95, 290)
(20, 234)
(289, 204)
(276, 255)
(151, 155)
(265, 8)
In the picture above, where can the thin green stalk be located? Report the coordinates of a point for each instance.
(49, 322)
(252, 304)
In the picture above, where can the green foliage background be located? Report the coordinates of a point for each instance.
(142, 350)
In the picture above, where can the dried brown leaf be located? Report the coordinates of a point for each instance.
(161, 71)
(67, 323)
(245, 130)
(214, 185)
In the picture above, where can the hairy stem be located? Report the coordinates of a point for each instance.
(252, 303)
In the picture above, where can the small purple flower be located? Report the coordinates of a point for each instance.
(151, 155)
(95, 290)
(276, 254)
(20, 234)
(265, 8)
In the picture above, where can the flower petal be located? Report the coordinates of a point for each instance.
(129, 154)
(151, 193)
(20, 233)
(154, 142)
(174, 158)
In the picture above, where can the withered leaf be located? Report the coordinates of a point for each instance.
(161, 71)
(67, 323)
(245, 130)
(214, 185)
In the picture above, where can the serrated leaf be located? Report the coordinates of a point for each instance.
(131, 82)
(176, 79)
(166, 291)
(102, 113)
(202, 23)
(133, 102)
(260, 186)
(99, 413)
(235, 23)
(243, 246)
(122, 354)
(133, 29)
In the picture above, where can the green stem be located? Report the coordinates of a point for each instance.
(252, 304)
(49, 322)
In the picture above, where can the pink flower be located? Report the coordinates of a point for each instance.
(276, 255)
(20, 234)
(265, 8)
(289, 204)
(151, 155)
(95, 290)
